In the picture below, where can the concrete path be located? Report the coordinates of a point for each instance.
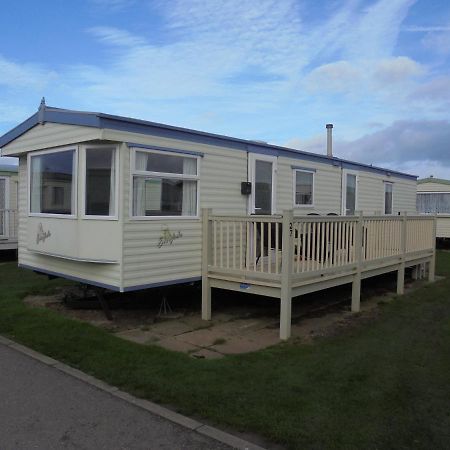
(44, 408)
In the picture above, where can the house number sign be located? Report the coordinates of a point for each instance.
(42, 235)
(167, 237)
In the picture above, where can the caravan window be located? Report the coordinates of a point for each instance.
(164, 184)
(433, 202)
(303, 187)
(52, 182)
(388, 192)
(100, 181)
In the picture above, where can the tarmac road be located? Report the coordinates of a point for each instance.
(44, 408)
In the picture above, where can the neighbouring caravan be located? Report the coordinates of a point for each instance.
(433, 197)
(8, 207)
(127, 204)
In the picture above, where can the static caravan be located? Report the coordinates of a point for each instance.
(8, 207)
(433, 197)
(128, 204)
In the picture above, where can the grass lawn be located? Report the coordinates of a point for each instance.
(380, 385)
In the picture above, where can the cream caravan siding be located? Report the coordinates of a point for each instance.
(371, 193)
(433, 187)
(405, 196)
(50, 135)
(70, 238)
(144, 263)
(12, 179)
(13, 191)
(443, 226)
(327, 187)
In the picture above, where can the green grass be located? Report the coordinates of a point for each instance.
(380, 385)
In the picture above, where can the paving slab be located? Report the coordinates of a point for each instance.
(243, 326)
(239, 344)
(206, 353)
(177, 345)
(171, 328)
(202, 338)
(139, 336)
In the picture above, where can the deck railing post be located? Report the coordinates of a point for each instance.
(206, 252)
(356, 283)
(401, 267)
(432, 264)
(287, 257)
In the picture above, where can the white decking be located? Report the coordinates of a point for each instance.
(288, 256)
(8, 229)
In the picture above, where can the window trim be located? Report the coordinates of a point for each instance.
(176, 176)
(5, 235)
(384, 198)
(311, 171)
(74, 203)
(83, 191)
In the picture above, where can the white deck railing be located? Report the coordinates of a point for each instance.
(287, 256)
(8, 224)
(255, 244)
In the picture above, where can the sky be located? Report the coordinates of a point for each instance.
(271, 70)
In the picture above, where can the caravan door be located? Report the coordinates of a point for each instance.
(262, 174)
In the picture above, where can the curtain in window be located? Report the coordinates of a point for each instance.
(139, 185)
(433, 203)
(36, 183)
(189, 206)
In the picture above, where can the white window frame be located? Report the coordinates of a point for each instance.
(252, 158)
(74, 203)
(313, 172)
(346, 172)
(6, 230)
(175, 176)
(83, 191)
(384, 198)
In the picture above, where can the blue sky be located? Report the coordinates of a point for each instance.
(273, 70)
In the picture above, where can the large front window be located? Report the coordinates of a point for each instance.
(52, 183)
(164, 184)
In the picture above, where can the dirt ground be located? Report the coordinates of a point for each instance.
(241, 323)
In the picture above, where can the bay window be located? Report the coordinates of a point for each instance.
(52, 182)
(164, 184)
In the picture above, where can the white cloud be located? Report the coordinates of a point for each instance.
(422, 29)
(113, 6)
(30, 76)
(115, 36)
(438, 41)
(340, 76)
(399, 69)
